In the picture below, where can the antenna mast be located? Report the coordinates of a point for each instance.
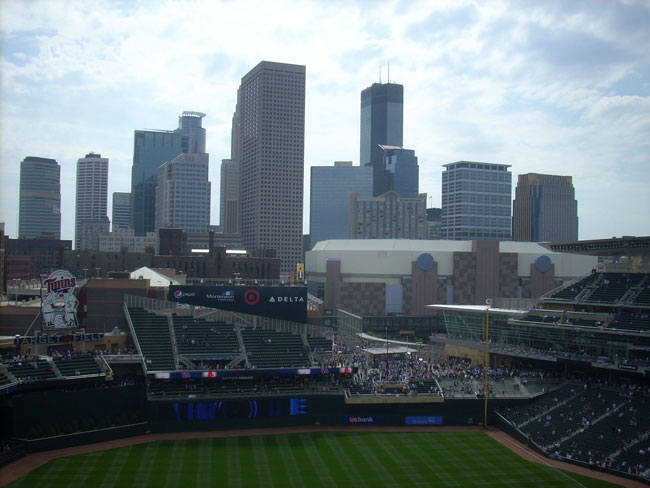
(380, 73)
(388, 72)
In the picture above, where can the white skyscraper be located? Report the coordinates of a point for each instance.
(91, 218)
(183, 193)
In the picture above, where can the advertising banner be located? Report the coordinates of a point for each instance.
(360, 420)
(278, 302)
(423, 420)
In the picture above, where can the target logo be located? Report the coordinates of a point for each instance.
(178, 294)
(251, 297)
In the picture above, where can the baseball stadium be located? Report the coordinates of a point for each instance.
(115, 382)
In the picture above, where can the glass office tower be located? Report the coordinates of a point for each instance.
(39, 211)
(329, 198)
(476, 201)
(544, 209)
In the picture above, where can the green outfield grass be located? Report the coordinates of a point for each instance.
(316, 459)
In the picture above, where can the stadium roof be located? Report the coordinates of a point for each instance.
(616, 246)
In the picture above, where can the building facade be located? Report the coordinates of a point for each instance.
(120, 214)
(125, 238)
(476, 201)
(382, 122)
(44, 255)
(388, 216)
(39, 211)
(229, 197)
(375, 277)
(271, 128)
(91, 218)
(151, 149)
(402, 171)
(329, 198)
(183, 193)
(544, 209)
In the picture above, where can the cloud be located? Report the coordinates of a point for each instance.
(546, 86)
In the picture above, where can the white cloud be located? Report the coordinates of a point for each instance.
(555, 87)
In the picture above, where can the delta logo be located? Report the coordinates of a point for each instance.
(286, 299)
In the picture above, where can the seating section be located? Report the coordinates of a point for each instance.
(613, 286)
(82, 364)
(152, 332)
(35, 370)
(271, 349)
(643, 298)
(320, 344)
(200, 339)
(4, 379)
(632, 320)
(572, 291)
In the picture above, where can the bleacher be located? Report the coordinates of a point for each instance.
(4, 379)
(34, 370)
(612, 287)
(271, 349)
(570, 292)
(152, 333)
(79, 365)
(320, 344)
(643, 297)
(197, 339)
(630, 319)
(612, 433)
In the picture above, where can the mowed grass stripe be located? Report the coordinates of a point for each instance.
(232, 474)
(399, 468)
(260, 455)
(44, 475)
(286, 456)
(123, 466)
(174, 469)
(204, 465)
(323, 474)
(344, 467)
(366, 463)
(217, 452)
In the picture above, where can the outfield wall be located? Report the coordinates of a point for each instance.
(309, 409)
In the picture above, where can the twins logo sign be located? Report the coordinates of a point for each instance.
(282, 302)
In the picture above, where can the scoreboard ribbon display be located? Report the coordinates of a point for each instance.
(278, 302)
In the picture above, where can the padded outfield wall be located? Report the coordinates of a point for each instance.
(255, 412)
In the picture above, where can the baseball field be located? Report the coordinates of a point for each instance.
(327, 459)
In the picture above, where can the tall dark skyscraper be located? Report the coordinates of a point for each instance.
(121, 206)
(271, 140)
(544, 209)
(39, 211)
(382, 122)
(151, 149)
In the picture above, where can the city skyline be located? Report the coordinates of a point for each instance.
(550, 87)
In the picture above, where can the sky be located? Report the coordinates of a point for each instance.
(553, 87)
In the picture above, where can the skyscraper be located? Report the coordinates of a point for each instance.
(193, 133)
(271, 114)
(544, 209)
(329, 198)
(382, 122)
(90, 208)
(39, 211)
(229, 203)
(120, 214)
(151, 149)
(388, 216)
(183, 193)
(476, 199)
(402, 171)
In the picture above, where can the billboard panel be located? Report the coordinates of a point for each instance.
(279, 302)
(59, 303)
